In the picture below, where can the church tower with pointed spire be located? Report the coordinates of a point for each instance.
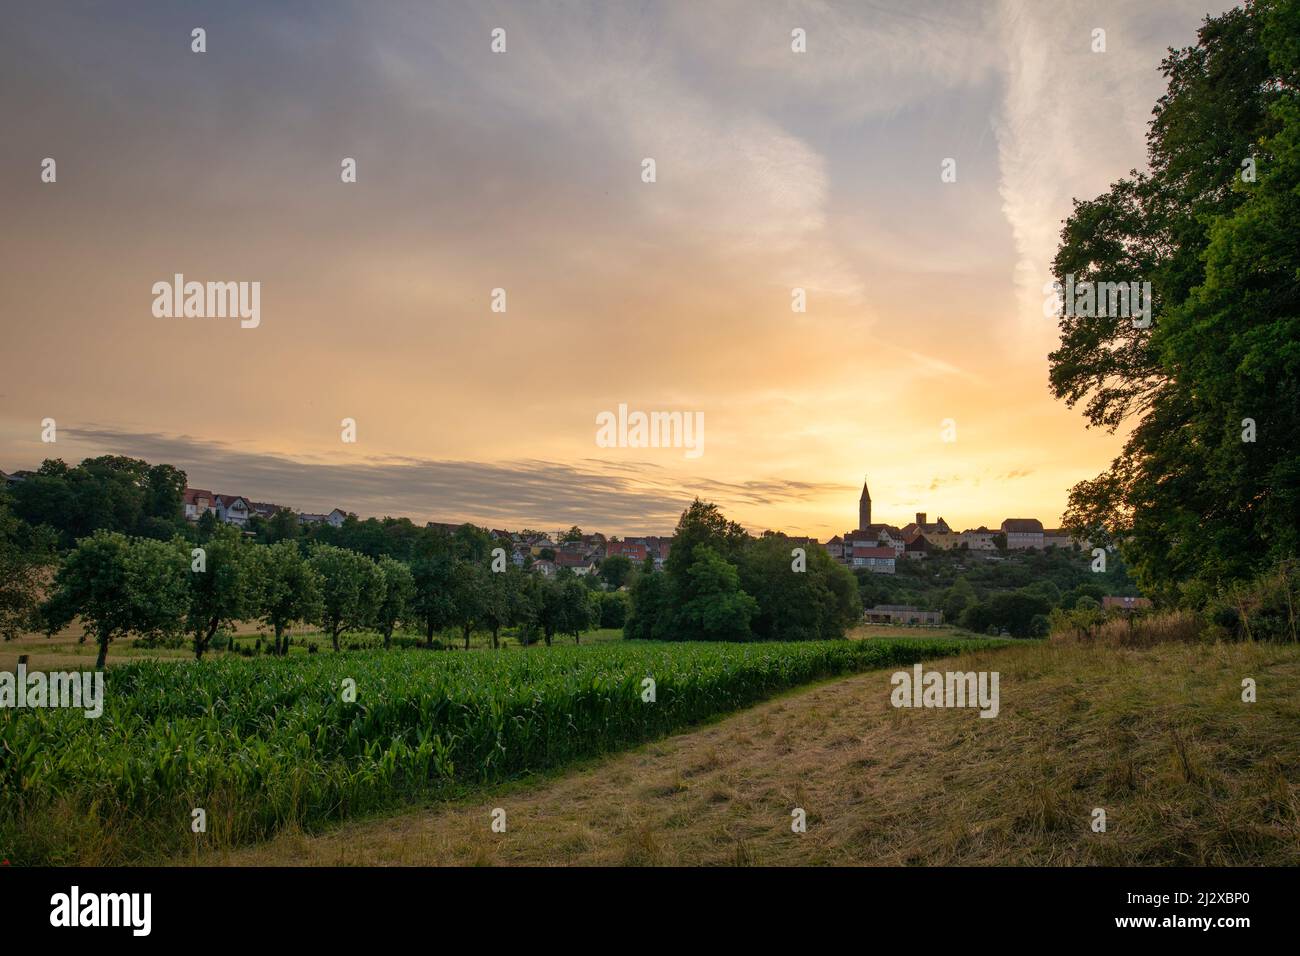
(864, 507)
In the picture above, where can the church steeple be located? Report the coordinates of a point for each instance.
(864, 506)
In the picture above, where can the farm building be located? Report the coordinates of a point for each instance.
(901, 614)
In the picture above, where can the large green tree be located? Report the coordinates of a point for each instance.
(118, 586)
(505, 601)
(219, 584)
(576, 612)
(25, 556)
(717, 609)
(470, 595)
(287, 589)
(398, 589)
(650, 615)
(431, 605)
(110, 493)
(817, 602)
(615, 570)
(351, 589)
(1207, 487)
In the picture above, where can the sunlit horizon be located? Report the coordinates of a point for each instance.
(776, 171)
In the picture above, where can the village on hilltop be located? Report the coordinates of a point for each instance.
(877, 547)
(873, 546)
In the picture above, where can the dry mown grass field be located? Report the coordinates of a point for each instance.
(1158, 737)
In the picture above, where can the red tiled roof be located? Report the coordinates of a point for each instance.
(1022, 525)
(861, 551)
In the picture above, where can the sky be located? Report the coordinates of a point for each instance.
(920, 361)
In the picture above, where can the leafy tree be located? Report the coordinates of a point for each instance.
(1045, 588)
(469, 596)
(472, 544)
(206, 526)
(283, 525)
(651, 605)
(400, 538)
(1014, 611)
(503, 601)
(119, 586)
(398, 589)
(614, 608)
(528, 606)
(1084, 590)
(432, 604)
(287, 589)
(221, 593)
(1188, 501)
(164, 494)
(575, 611)
(352, 588)
(615, 570)
(818, 602)
(716, 609)
(25, 555)
(702, 524)
(549, 605)
(574, 534)
(874, 588)
(112, 493)
(958, 597)
(721, 584)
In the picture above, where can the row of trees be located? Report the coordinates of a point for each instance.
(119, 585)
(25, 555)
(719, 583)
(111, 493)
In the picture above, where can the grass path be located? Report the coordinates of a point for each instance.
(1159, 738)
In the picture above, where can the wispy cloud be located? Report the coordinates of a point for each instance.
(1073, 120)
(614, 497)
(775, 170)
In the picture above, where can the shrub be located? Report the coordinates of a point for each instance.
(1121, 629)
(614, 607)
(1263, 609)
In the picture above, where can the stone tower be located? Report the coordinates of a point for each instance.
(864, 507)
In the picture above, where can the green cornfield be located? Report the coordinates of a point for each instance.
(263, 744)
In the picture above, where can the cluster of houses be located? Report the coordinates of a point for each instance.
(877, 547)
(543, 553)
(546, 554)
(873, 546)
(237, 510)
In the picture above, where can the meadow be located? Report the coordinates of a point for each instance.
(1157, 736)
(65, 650)
(267, 743)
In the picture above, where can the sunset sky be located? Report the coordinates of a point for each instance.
(522, 171)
